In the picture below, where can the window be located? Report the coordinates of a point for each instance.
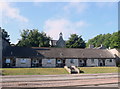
(23, 60)
(35, 61)
(72, 61)
(92, 61)
(59, 61)
(81, 61)
(49, 61)
(7, 61)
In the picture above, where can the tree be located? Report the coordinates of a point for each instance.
(115, 40)
(108, 40)
(5, 35)
(75, 41)
(33, 38)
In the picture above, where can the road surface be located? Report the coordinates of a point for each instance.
(77, 80)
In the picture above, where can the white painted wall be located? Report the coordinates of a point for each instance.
(114, 51)
(46, 63)
(27, 64)
(68, 63)
(89, 62)
(108, 63)
(52, 62)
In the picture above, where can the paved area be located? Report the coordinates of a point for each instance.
(25, 78)
(68, 87)
(77, 80)
(104, 85)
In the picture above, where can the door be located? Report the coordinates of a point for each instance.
(36, 63)
(60, 62)
(101, 62)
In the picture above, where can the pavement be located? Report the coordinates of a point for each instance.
(47, 81)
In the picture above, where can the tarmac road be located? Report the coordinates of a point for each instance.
(78, 80)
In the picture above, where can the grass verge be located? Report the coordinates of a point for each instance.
(55, 71)
(33, 71)
(94, 70)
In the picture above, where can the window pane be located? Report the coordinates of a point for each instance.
(23, 60)
(58, 61)
(7, 60)
(49, 61)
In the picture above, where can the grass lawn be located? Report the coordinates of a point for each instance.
(92, 70)
(53, 71)
(33, 71)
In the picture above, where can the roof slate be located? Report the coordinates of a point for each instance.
(24, 52)
(75, 53)
(44, 52)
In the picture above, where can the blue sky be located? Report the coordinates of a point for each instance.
(83, 18)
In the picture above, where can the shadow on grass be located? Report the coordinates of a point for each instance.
(81, 71)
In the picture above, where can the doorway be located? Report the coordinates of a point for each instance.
(60, 62)
(36, 62)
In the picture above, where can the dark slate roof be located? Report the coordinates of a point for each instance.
(56, 52)
(74, 53)
(15, 51)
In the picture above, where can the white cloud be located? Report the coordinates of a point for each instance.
(54, 26)
(76, 6)
(11, 12)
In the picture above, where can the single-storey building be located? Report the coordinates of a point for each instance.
(15, 56)
(57, 56)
